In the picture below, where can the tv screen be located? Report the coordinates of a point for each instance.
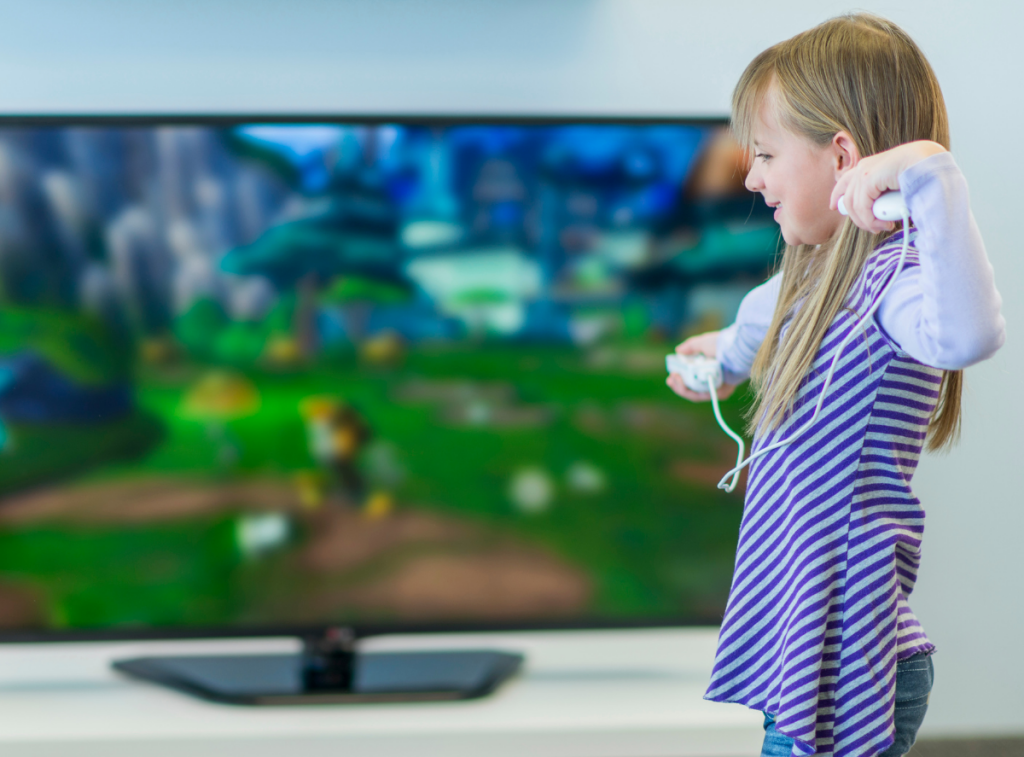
(386, 373)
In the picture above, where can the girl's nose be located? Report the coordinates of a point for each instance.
(753, 181)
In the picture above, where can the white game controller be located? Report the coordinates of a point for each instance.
(697, 371)
(889, 206)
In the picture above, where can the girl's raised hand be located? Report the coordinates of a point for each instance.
(862, 183)
(702, 344)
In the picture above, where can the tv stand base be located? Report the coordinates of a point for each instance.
(329, 670)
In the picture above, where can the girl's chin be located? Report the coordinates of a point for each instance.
(793, 238)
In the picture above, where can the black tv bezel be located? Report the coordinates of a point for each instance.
(169, 633)
(413, 119)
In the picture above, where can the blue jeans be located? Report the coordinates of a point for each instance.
(914, 678)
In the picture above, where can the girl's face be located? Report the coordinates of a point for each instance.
(795, 176)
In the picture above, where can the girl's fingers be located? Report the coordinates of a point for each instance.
(862, 203)
(702, 344)
(675, 383)
(839, 190)
(859, 201)
(872, 224)
(693, 346)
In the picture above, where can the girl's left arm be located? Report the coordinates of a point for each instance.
(946, 312)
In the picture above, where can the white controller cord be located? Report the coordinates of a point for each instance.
(734, 474)
(736, 438)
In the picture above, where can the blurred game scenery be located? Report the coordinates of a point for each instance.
(395, 373)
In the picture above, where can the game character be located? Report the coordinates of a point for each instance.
(337, 434)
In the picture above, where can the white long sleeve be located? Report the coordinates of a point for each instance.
(739, 343)
(946, 312)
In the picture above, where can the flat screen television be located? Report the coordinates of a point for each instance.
(266, 375)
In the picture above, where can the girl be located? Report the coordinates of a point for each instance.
(817, 631)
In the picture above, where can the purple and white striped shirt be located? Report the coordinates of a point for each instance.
(830, 540)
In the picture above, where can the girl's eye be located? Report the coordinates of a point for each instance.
(763, 156)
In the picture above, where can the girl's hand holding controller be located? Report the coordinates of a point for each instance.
(870, 176)
(702, 344)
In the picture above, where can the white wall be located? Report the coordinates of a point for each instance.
(610, 57)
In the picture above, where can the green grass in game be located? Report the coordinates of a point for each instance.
(654, 539)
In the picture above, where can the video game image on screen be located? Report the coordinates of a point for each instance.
(295, 373)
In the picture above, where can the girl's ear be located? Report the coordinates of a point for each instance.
(845, 154)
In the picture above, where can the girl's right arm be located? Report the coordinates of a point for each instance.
(945, 313)
(734, 347)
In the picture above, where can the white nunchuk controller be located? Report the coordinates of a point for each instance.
(889, 206)
(697, 371)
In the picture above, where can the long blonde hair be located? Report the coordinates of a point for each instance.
(864, 75)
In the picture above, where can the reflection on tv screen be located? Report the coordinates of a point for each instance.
(269, 374)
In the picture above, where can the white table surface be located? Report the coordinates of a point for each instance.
(622, 693)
